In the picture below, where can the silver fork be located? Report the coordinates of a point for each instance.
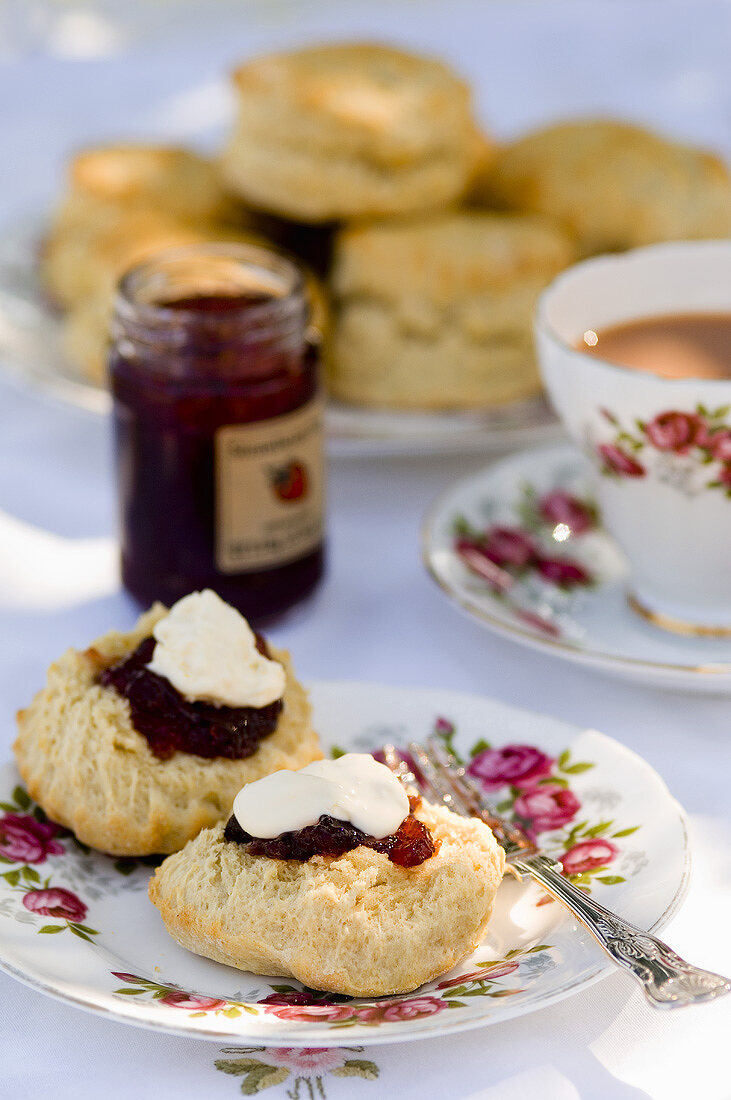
(668, 980)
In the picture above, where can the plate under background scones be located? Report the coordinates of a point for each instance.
(347, 130)
(435, 312)
(355, 924)
(614, 185)
(91, 771)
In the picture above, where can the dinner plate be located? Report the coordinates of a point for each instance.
(31, 349)
(78, 925)
(573, 605)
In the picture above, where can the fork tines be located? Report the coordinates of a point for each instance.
(441, 778)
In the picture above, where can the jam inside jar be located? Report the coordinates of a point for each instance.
(218, 429)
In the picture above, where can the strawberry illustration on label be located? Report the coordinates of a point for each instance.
(289, 482)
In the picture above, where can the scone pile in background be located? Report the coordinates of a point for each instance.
(433, 242)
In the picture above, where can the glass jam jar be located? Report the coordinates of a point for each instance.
(218, 429)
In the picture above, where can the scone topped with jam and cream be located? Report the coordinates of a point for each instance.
(332, 875)
(144, 739)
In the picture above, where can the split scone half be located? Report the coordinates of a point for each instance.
(356, 924)
(85, 763)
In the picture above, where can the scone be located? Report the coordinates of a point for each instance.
(356, 924)
(78, 264)
(342, 131)
(85, 763)
(614, 185)
(436, 312)
(106, 180)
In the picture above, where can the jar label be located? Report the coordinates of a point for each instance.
(269, 490)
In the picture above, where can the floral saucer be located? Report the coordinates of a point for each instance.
(520, 547)
(78, 925)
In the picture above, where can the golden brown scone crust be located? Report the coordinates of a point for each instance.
(357, 924)
(436, 312)
(78, 264)
(126, 201)
(346, 130)
(90, 770)
(614, 185)
(107, 179)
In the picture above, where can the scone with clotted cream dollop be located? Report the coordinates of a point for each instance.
(356, 922)
(83, 756)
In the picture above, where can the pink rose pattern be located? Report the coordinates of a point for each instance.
(23, 839)
(558, 506)
(191, 1001)
(28, 839)
(703, 434)
(308, 1066)
(511, 765)
(499, 555)
(617, 461)
(503, 554)
(488, 974)
(588, 855)
(539, 798)
(544, 809)
(55, 902)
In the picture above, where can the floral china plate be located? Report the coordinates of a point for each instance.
(78, 925)
(519, 546)
(32, 350)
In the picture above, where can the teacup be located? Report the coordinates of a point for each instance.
(661, 447)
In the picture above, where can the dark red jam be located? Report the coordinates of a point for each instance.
(410, 845)
(185, 369)
(171, 723)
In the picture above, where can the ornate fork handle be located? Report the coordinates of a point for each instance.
(668, 980)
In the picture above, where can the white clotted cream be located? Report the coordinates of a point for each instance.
(355, 788)
(207, 651)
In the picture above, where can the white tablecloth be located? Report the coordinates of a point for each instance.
(377, 617)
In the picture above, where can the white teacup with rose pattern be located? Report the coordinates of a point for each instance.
(661, 447)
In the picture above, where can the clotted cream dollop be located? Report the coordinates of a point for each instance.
(207, 650)
(354, 788)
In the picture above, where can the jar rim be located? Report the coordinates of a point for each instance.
(270, 263)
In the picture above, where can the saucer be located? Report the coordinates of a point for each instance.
(559, 582)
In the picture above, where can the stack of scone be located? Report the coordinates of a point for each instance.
(124, 203)
(189, 730)
(432, 303)
(370, 159)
